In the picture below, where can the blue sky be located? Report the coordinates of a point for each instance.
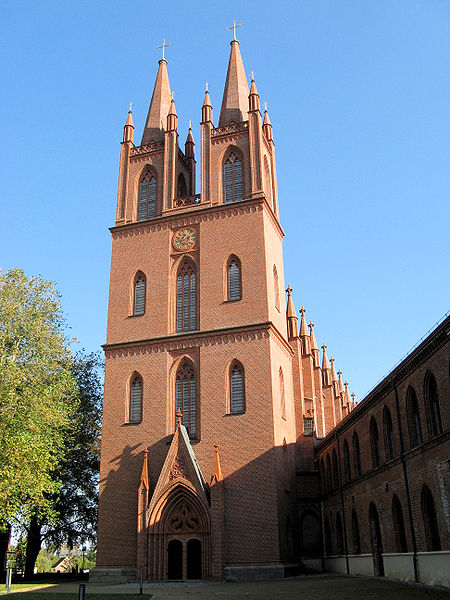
(358, 95)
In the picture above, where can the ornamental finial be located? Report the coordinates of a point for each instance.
(233, 27)
(164, 45)
(179, 417)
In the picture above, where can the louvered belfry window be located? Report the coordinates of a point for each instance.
(139, 296)
(135, 415)
(237, 391)
(186, 297)
(186, 397)
(147, 197)
(232, 178)
(234, 280)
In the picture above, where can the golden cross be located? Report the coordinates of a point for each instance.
(164, 45)
(130, 107)
(252, 75)
(233, 27)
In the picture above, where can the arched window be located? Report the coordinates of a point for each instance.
(327, 536)
(147, 197)
(355, 534)
(430, 521)
(232, 179)
(356, 455)
(374, 443)
(329, 479)
(186, 297)
(388, 433)
(399, 527)
(412, 412)
(339, 535)
(186, 397)
(135, 406)
(347, 471)
(267, 179)
(282, 394)
(335, 470)
(237, 388)
(276, 288)
(432, 406)
(234, 281)
(181, 187)
(139, 295)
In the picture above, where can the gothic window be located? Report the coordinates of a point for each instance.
(181, 188)
(339, 535)
(186, 297)
(329, 480)
(267, 179)
(430, 521)
(355, 534)
(335, 469)
(147, 197)
(232, 178)
(234, 282)
(282, 394)
(347, 471)
(374, 443)
(276, 288)
(432, 406)
(388, 433)
(186, 397)
(135, 406)
(399, 527)
(356, 455)
(139, 295)
(412, 412)
(237, 388)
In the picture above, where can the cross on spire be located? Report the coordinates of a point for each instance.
(252, 75)
(130, 107)
(172, 94)
(233, 27)
(324, 347)
(190, 124)
(164, 45)
(289, 290)
(265, 106)
(206, 86)
(303, 310)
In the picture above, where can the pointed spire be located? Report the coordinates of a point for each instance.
(144, 474)
(236, 92)
(325, 363)
(313, 337)
(189, 144)
(334, 376)
(292, 321)
(159, 107)
(128, 130)
(354, 403)
(303, 326)
(217, 470)
(341, 385)
(253, 98)
(172, 117)
(207, 111)
(267, 125)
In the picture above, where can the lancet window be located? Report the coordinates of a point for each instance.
(139, 295)
(237, 388)
(135, 407)
(412, 412)
(147, 197)
(186, 308)
(234, 285)
(432, 406)
(232, 178)
(186, 399)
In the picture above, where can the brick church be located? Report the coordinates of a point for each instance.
(225, 429)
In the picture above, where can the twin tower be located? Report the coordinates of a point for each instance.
(212, 394)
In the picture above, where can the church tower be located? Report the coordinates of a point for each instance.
(199, 428)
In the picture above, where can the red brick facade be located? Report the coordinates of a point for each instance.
(213, 394)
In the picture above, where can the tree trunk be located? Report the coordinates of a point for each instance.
(33, 546)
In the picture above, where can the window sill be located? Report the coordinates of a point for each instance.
(128, 423)
(234, 414)
(230, 301)
(135, 316)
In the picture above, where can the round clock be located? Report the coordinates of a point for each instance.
(184, 239)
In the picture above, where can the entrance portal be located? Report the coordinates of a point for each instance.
(175, 560)
(194, 559)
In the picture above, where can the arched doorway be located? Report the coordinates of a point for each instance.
(175, 560)
(375, 540)
(194, 559)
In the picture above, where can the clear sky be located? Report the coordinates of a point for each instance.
(358, 95)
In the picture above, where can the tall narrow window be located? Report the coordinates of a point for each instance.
(181, 188)
(335, 470)
(234, 285)
(135, 408)
(339, 535)
(355, 534)
(237, 388)
(276, 288)
(139, 295)
(412, 412)
(432, 406)
(430, 521)
(374, 443)
(388, 433)
(232, 178)
(186, 397)
(356, 455)
(282, 394)
(347, 472)
(147, 197)
(399, 527)
(267, 179)
(186, 297)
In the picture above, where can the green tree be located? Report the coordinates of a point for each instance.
(37, 394)
(75, 504)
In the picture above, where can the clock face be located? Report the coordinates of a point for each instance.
(184, 239)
